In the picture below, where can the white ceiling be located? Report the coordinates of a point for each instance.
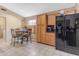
(29, 9)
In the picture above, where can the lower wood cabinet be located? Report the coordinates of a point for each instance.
(38, 33)
(38, 38)
(43, 38)
(50, 39)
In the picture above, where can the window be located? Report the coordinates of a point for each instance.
(32, 22)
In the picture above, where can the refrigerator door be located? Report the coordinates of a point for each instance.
(68, 38)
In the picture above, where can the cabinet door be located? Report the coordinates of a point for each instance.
(38, 33)
(50, 39)
(43, 38)
(39, 20)
(47, 39)
(69, 11)
(51, 20)
(43, 20)
(38, 29)
(43, 29)
(38, 38)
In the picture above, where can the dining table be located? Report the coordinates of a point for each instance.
(22, 35)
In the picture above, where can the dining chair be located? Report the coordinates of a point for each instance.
(24, 37)
(13, 39)
(30, 33)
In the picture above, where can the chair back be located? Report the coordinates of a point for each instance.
(18, 32)
(30, 31)
(13, 33)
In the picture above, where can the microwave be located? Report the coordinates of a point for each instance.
(50, 28)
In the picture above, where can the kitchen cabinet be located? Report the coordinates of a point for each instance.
(51, 20)
(41, 28)
(43, 20)
(42, 35)
(50, 38)
(69, 11)
(38, 34)
(38, 20)
(38, 38)
(43, 38)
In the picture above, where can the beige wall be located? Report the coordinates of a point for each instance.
(11, 22)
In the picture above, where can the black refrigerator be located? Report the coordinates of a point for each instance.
(67, 33)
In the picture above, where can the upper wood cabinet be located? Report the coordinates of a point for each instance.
(41, 19)
(69, 11)
(51, 20)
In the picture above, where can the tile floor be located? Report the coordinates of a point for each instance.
(29, 49)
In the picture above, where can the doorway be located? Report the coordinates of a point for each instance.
(2, 27)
